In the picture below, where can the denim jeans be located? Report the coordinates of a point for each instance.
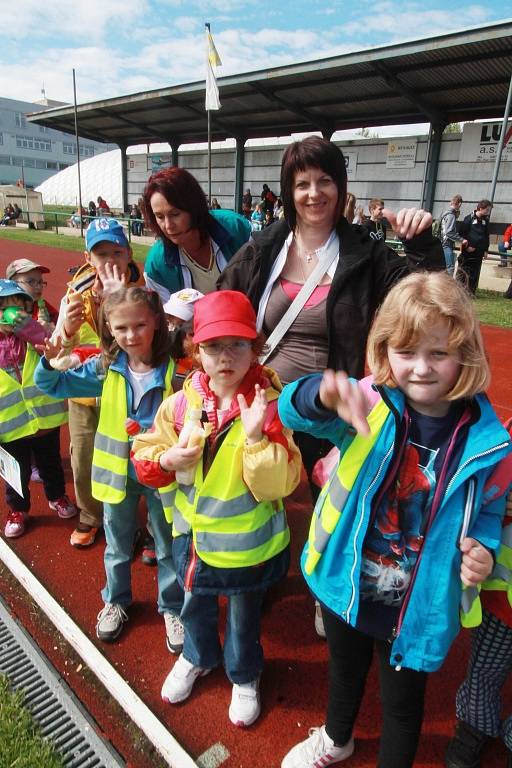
(449, 258)
(503, 254)
(120, 523)
(243, 653)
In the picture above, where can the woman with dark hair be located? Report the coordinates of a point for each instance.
(331, 329)
(194, 244)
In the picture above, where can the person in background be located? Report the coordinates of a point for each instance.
(278, 209)
(269, 218)
(247, 203)
(504, 246)
(29, 420)
(137, 224)
(215, 206)
(102, 207)
(359, 216)
(268, 199)
(257, 218)
(29, 275)
(376, 224)
(108, 265)
(449, 234)
(132, 375)
(91, 211)
(395, 550)
(475, 230)
(230, 531)
(193, 244)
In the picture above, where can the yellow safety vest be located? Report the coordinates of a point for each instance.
(24, 409)
(334, 495)
(230, 528)
(111, 443)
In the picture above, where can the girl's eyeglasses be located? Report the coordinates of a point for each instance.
(215, 348)
(33, 282)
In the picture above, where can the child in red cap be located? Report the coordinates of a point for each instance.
(229, 526)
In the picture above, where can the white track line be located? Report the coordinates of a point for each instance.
(213, 757)
(118, 688)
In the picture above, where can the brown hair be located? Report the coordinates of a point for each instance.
(457, 199)
(350, 207)
(133, 295)
(483, 204)
(374, 202)
(417, 302)
(183, 191)
(311, 152)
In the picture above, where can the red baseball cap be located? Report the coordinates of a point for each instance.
(224, 313)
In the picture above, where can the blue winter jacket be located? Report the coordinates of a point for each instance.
(430, 616)
(87, 381)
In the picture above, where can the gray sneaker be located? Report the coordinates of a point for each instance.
(175, 633)
(110, 622)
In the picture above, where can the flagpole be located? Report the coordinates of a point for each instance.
(78, 159)
(207, 25)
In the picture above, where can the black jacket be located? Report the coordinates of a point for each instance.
(366, 271)
(476, 232)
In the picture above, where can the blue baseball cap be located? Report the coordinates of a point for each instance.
(11, 288)
(103, 229)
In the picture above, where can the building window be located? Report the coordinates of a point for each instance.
(85, 149)
(51, 165)
(63, 165)
(19, 119)
(5, 160)
(43, 129)
(29, 142)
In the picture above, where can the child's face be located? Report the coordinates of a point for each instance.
(226, 360)
(31, 282)
(426, 371)
(109, 253)
(133, 327)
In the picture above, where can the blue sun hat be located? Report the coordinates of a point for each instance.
(103, 229)
(11, 288)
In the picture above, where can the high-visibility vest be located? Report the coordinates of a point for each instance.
(24, 409)
(501, 576)
(334, 495)
(111, 443)
(230, 528)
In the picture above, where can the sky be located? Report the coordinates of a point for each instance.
(121, 47)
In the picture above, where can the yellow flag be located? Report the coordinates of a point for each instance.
(212, 61)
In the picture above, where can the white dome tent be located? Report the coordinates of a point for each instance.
(99, 175)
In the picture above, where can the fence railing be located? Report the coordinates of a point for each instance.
(56, 219)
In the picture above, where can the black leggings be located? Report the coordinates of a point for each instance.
(46, 451)
(402, 693)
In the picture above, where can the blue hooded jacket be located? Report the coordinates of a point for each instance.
(430, 615)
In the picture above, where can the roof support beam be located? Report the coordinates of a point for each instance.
(433, 164)
(239, 172)
(124, 177)
(324, 126)
(434, 116)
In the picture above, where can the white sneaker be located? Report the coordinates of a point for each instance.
(245, 703)
(319, 620)
(317, 751)
(175, 633)
(179, 682)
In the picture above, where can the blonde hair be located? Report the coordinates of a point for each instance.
(412, 306)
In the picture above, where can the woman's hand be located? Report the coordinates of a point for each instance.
(75, 315)
(177, 457)
(477, 562)
(253, 417)
(343, 396)
(111, 279)
(408, 222)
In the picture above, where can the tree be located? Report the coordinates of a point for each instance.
(453, 128)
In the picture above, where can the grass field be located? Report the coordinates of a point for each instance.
(21, 744)
(67, 242)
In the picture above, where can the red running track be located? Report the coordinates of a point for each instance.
(295, 676)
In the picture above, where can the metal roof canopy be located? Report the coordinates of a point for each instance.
(454, 77)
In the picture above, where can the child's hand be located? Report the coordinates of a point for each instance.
(477, 562)
(253, 417)
(75, 315)
(345, 398)
(177, 457)
(111, 278)
(50, 349)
